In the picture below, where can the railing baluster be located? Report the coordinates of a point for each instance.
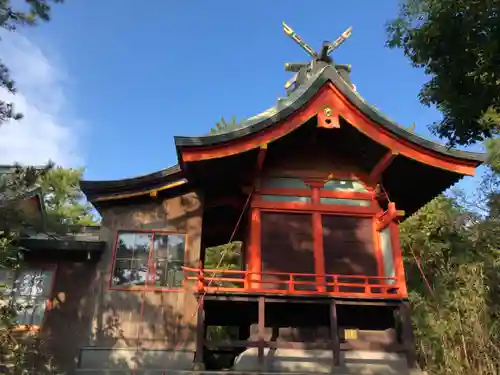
(335, 284)
(217, 281)
(246, 282)
(201, 279)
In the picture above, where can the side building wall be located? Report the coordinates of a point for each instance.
(145, 328)
(68, 321)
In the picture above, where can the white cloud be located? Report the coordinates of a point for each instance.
(47, 131)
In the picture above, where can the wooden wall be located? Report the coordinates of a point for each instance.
(287, 246)
(348, 245)
(310, 159)
(287, 238)
(66, 327)
(152, 320)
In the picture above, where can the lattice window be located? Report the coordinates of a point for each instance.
(29, 292)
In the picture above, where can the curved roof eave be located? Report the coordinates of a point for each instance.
(151, 179)
(286, 106)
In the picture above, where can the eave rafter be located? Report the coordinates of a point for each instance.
(261, 157)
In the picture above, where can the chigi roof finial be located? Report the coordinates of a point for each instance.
(304, 70)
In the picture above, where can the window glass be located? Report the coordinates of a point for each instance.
(6, 281)
(29, 291)
(169, 258)
(131, 261)
(285, 199)
(152, 258)
(387, 256)
(284, 183)
(344, 185)
(346, 202)
(32, 290)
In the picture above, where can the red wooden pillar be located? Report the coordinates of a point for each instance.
(399, 270)
(319, 255)
(377, 248)
(254, 250)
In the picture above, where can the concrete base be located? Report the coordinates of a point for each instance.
(286, 360)
(131, 358)
(174, 372)
(124, 361)
(321, 362)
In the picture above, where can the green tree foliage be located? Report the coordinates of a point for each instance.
(411, 128)
(11, 17)
(457, 44)
(452, 245)
(451, 250)
(224, 126)
(491, 181)
(65, 204)
(65, 208)
(224, 257)
(17, 352)
(15, 186)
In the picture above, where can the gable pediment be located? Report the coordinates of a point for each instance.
(328, 97)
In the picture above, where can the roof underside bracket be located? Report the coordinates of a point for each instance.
(382, 165)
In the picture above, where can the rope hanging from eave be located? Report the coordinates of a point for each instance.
(202, 296)
(200, 299)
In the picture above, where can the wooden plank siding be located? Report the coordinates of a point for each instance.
(147, 318)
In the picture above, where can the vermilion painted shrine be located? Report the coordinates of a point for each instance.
(314, 188)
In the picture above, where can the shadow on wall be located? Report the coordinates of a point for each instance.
(66, 323)
(123, 320)
(142, 326)
(85, 314)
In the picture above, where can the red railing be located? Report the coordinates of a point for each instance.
(237, 281)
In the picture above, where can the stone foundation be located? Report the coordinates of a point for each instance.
(176, 372)
(123, 361)
(321, 362)
(130, 359)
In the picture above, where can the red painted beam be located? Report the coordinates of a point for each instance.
(382, 165)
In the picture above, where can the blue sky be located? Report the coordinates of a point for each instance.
(126, 79)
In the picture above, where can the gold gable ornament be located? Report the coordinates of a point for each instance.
(328, 118)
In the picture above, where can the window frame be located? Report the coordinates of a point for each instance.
(315, 193)
(147, 286)
(36, 267)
